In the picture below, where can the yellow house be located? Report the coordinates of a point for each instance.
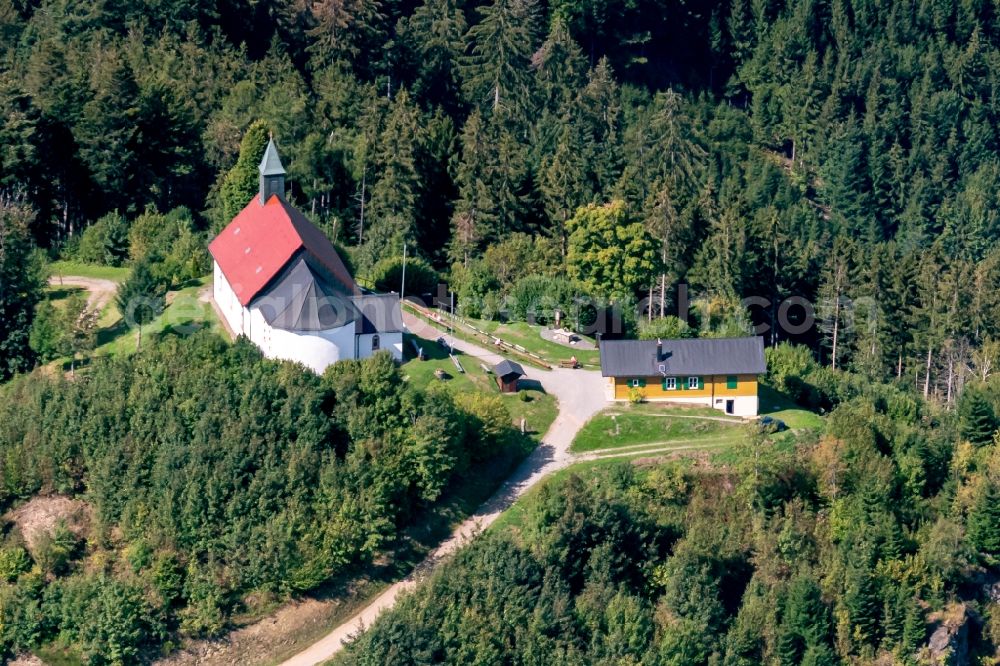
(719, 373)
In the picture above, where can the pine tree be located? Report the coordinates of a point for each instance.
(396, 192)
(724, 261)
(976, 417)
(805, 621)
(437, 29)
(820, 654)
(600, 107)
(984, 518)
(861, 600)
(496, 72)
(475, 213)
(914, 628)
(141, 297)
(46, 338)
(564, 182)
(21, 278)
(679, 156)
(107, 131)
(242, 181)
(342, 27)
(560, 68)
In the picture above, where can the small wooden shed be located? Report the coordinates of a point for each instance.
(507, 374)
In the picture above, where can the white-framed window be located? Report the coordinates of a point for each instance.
(634, 383)
(694, 383)
(670, 383)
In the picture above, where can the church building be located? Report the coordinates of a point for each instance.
(280, 282)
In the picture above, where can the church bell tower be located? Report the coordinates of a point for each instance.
(272, 174)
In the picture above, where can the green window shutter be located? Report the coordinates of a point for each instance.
(683, 383)
(642, 382)
(732, 382)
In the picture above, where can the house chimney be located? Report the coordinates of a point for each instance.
(659, 350)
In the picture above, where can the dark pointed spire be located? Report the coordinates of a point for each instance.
(272, 173)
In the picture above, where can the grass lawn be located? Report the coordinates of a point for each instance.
(780, 406)
(629, 425)
(57, 268)
(462, 333)
(184, 314)
(529, 336)
(538, 411)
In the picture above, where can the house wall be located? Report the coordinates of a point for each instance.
(227, 302)
(391, 342)
(713, 392)
(314, 349)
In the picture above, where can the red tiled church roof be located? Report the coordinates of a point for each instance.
(262, 239)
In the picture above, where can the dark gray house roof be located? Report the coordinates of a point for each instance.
(506, 368)
(306, 297)
(724, 356)
(270, 164)
(379, 313)
(300, 299)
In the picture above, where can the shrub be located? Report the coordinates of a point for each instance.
(55, 549)
(535, 298)
(489, 421)
(106, 241)
(668, 327)
(170, 245)
(421, 278)
(788, 361)
(474, 283)
(14, 561)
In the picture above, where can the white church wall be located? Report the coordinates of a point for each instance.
(391, 342)
(314, 349)
(227, 302)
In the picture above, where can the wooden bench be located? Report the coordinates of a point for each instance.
(572, 365)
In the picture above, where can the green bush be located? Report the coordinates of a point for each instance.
(14, 560)
(787, 361)
(106, 619)
(421, 278)
(171, 246)
(55, 549)
(669, 327)
(105, 242)
(535, 298)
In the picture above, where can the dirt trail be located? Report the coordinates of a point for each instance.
(101, 291)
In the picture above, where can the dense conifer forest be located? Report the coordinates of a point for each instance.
(844, 152)
(769, 162)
